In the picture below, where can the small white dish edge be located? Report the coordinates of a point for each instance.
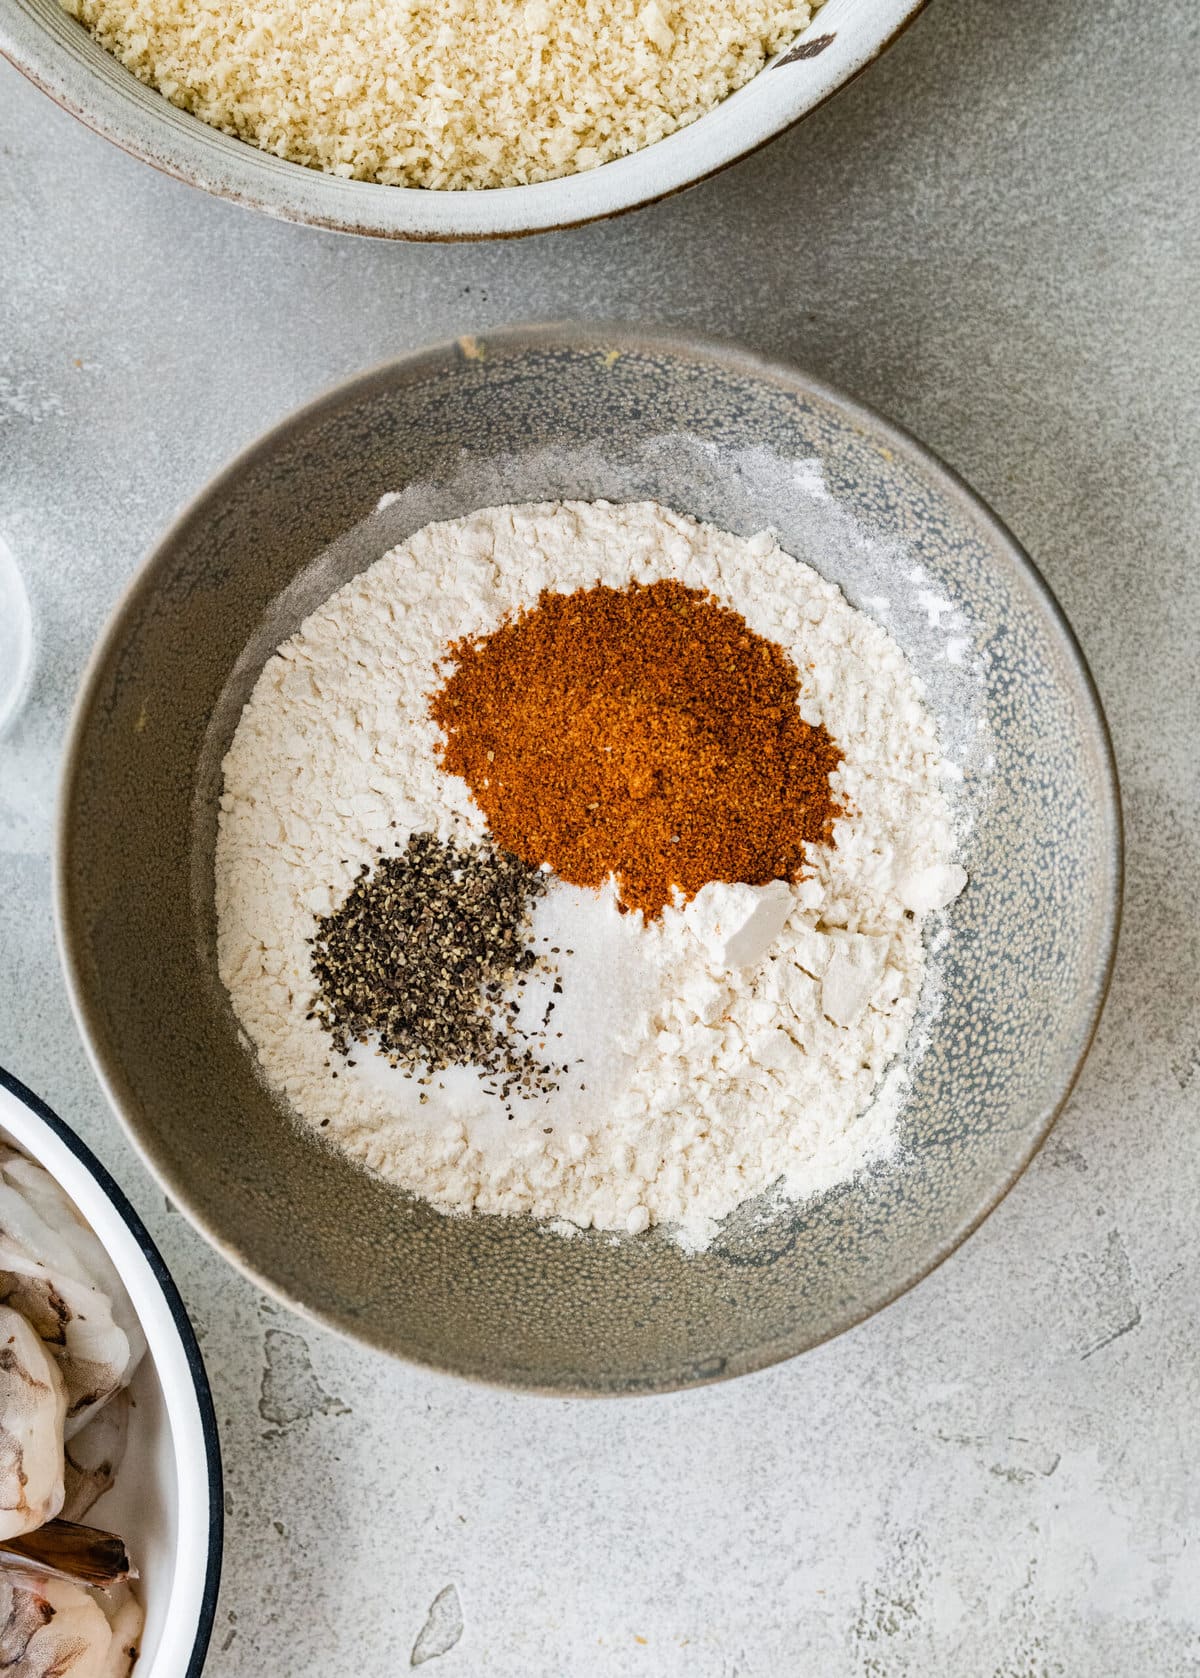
(171, 1381)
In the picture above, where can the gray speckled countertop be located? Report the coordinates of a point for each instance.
(993, 236)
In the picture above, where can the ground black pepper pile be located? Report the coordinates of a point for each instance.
(423, 955)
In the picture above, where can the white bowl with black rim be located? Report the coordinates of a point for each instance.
(167, 1499)
(57, 53)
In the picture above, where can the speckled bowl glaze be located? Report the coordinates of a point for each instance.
(529, 414)
(59, 55)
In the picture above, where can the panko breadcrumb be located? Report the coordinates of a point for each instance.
(451, 95)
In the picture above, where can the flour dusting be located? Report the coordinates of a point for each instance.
(706, 1065)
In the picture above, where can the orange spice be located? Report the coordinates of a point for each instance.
(646, 733)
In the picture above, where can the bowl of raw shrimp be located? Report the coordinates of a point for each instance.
(110, 1476)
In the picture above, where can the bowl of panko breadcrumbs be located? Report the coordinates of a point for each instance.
(460, 119)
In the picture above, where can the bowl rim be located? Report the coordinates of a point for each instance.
(47, 1120)
(178, 144)
(604, 338)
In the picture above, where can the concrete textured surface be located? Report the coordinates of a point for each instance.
(994, 236)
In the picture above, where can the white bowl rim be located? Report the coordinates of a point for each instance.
(57, 54)
(37, 1129)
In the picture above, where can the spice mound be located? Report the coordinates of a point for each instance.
(644, 733)
(422, 959)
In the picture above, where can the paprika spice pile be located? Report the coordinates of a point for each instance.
(645, 733)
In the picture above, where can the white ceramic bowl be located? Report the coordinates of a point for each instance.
(56, 52)
(167, 1501)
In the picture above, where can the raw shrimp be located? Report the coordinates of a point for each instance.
(94, 1456)
(54, 1271)
(52, 1629)
(33, 1405)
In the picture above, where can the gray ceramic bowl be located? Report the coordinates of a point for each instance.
(539, 413)
(59, 55)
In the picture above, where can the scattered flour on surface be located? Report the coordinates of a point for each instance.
(711, 1067)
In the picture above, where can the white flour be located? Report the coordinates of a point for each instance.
(702, 1083)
